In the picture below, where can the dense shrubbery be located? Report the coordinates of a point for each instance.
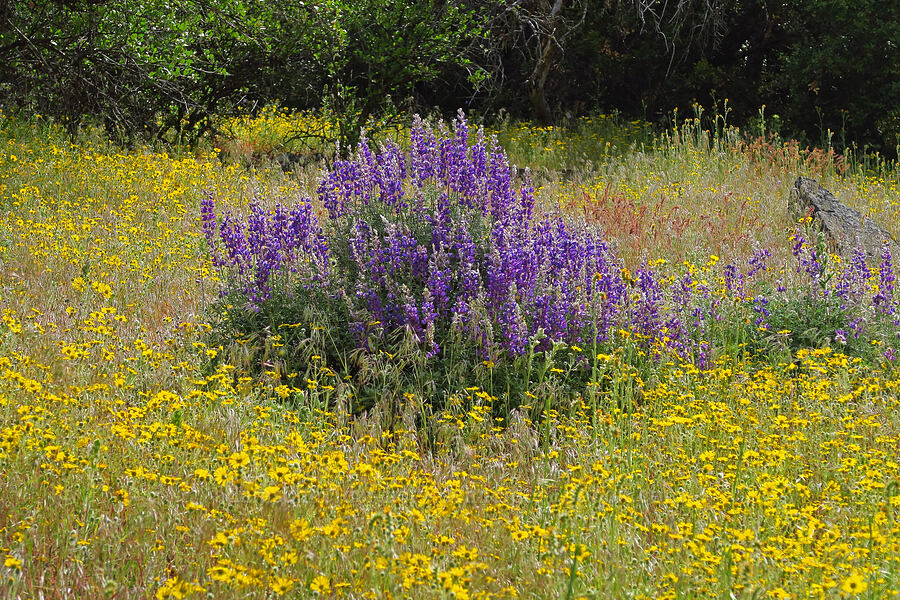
(442, 256)
(826, 69)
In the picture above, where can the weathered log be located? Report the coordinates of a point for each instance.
(846, 228)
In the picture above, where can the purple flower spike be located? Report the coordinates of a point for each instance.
(444, 241)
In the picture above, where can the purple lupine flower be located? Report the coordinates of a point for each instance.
(760, 304)
(734, 280)
(884, 297)
(208, 217)
(757, 262)
(701, 355)
(808, 260)
(856, 326)
(265, 244)
(231, 232)
(645, 311)
(423, 150)
(513, 325)
(440, 241)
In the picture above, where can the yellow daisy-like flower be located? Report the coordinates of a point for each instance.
(177, 589)
(238, 460)
(320, 584)
(465, 553)
(12, 562)
(222, 475)
(280, 585)
(220, 573)
(271, 493)
(520, 534)
(279, 473)
(122, 496)
(854, 584)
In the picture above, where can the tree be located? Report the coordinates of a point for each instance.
(552, 47)
(842, 72)
(359, 59)
(149, 66)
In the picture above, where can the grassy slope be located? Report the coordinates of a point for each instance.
(128, 471)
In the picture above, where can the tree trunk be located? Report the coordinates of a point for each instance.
(537, 82)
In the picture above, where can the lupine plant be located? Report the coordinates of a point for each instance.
(444, 247)
(844, 304)
(441, 243)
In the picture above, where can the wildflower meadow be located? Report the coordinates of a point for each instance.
(466, 362)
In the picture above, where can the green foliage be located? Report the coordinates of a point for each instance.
(829, 68)
(159, 68)
(841, 74)
(821, 315)
(363, 59)
(148, 66)
(805, 322)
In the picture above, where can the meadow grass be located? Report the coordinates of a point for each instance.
(139, 461)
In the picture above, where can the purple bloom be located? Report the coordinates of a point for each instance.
(884, 298)
(734, 280)
(808, 259)
(757, 262)
(442, 241)
(760, 304)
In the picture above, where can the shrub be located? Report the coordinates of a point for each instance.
(442, 243)
(437, 265)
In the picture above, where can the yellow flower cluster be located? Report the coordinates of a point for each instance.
(136, 462)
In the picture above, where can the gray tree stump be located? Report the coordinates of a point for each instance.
(846, 228)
